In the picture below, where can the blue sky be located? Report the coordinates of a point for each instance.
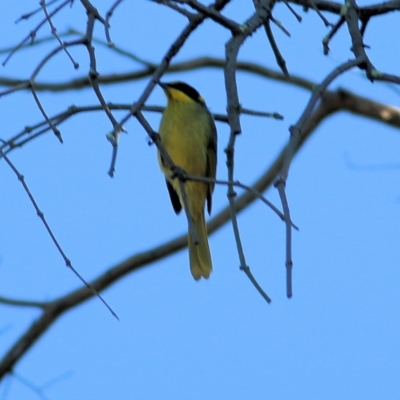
(337, 338)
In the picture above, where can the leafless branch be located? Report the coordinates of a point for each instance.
(322, 104)
(40, 214)
(54, 33)
(109, 14)
(33, 33)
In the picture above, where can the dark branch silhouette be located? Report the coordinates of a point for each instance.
(323, 102)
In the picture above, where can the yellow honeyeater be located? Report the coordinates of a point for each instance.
(189, 136)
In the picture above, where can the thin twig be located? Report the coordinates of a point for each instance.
(280, 25)
(215, 15)
(291, 9)
(253, 280)
(30, 385)
(31, 13)
(107, 24)
(20, 86)
(231, 53)
(364, 23)
(329, 36)
(278, 56)
(39, 104)
(350, 14)
(54, 33)
(57, 379)
(280, 185)
(32, 85)
(243, 186)
(319, 13)
(296, 130)
(50, 232)
(22, 303)
(92, 14)
(92, 10)
(255, 113)
(170, 4)
(33, 33)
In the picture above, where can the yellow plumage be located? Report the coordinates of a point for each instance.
(188, 134)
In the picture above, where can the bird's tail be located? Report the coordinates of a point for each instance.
(199, 255)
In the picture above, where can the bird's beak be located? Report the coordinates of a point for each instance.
(162, 84)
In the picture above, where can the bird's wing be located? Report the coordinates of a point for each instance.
(211, 162)
(176, 203)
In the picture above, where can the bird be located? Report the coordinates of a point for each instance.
(189, 135)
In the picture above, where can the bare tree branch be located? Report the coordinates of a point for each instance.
(322, 103)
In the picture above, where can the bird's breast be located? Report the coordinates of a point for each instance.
(184, 136)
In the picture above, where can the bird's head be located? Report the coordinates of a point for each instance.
(181, 92)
